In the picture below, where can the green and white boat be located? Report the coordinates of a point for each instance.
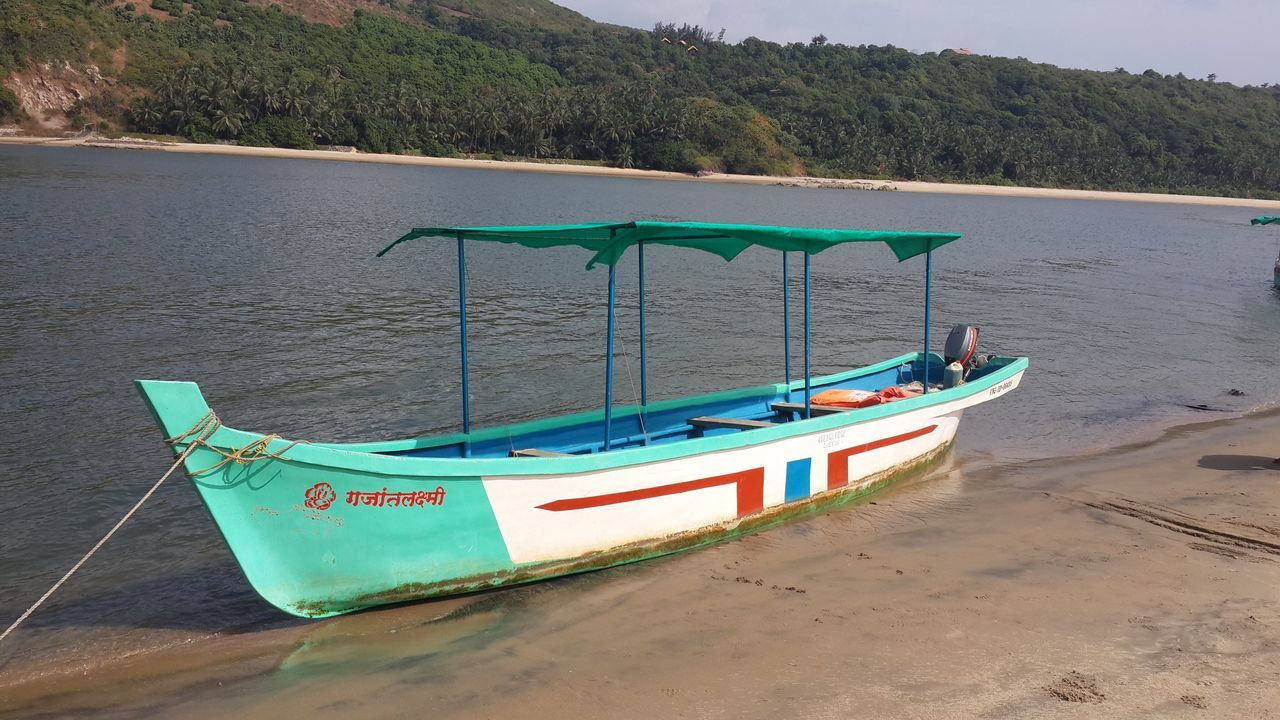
(1267, 220)
(327, 528)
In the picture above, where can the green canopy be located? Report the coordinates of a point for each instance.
(1265, 220)
(609, 240)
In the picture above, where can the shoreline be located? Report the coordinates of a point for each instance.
(997, 560)
(910, 186)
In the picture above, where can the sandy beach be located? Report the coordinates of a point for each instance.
(602, 171)
(1136, 582)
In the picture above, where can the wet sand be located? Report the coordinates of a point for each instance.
(603, 171)
(1133, 583)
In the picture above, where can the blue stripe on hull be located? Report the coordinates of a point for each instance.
(798, 479)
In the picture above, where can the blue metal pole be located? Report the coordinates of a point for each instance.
(786, 326)
(928, 275)
(462, 325)
(608, 360)
(644, 383)
(807, 378)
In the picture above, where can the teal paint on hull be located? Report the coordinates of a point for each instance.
(309, 552)
(311, 562)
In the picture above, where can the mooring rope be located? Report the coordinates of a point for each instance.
(197, 436)
(253, 452)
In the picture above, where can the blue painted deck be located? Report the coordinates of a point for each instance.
(670, 425)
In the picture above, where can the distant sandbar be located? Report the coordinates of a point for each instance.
(601, 171)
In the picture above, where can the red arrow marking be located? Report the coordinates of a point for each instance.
(750, 493)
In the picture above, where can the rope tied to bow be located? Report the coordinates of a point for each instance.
(196, 436)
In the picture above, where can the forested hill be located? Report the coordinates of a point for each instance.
(528, 78)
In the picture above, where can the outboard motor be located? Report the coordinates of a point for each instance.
(962, 345)
(960, 354)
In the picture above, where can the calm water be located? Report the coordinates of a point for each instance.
(257, 278)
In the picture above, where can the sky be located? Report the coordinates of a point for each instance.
(1234, 39)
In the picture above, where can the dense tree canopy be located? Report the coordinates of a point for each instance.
(428, 78)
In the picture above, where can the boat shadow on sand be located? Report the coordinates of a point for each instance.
(217, 599)
(1239, 462)
(204, 599)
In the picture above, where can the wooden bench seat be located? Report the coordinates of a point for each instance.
(707, 422)
(532, 452)
(814, 409)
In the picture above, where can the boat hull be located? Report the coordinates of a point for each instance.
(642, 549)
(322, 531)
(575, 515)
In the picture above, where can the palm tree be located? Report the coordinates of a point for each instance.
(541, 146)
(420, 108)
(455, 132)
(226, 123)
(270, 98)
(625, 157)
(211, 93)
(147, 115)
(490, 122)
(293, 100)
(183, 116)
(333, 73)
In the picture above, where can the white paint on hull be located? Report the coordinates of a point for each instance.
(534, 534)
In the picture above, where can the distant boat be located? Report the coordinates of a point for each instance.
(327, 528)
(1267, 220)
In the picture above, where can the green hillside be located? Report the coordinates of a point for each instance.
(536, 14)
(529, 78)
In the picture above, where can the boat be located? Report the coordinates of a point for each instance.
(1267, 220)
(321, 529)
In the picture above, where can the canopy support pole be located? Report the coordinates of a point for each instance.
(786, 326)
(644, 385)
(807, 379)
(928, 275)
(608, 358)
(462, 325)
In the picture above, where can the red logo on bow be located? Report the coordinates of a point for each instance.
(321, 496)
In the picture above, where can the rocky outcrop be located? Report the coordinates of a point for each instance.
(48, 92)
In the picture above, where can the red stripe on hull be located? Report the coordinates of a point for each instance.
(838, 461)
(750, 493)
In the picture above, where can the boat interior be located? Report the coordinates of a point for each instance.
(721, 413)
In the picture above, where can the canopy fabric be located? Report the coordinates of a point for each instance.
(1265, 220)
(608, 240)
